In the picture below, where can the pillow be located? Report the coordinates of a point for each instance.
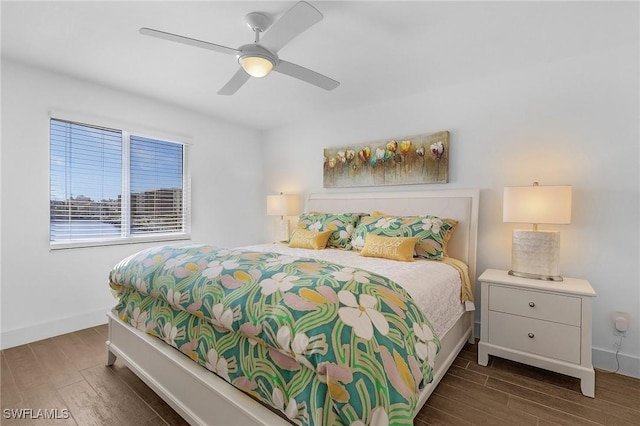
(364, 225)
(447, 235)
(394, 248)
(341, 225)
(307, 238)
(433, 232)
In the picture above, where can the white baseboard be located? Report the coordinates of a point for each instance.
(606, 360)
(34, 332)
(476, 329)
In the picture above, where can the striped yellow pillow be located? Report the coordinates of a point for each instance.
(307, 238)
(394, 248)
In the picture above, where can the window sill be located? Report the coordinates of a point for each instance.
(119, 241)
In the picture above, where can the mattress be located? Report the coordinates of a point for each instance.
(438, 295)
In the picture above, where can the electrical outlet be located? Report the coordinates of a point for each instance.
(620, 322)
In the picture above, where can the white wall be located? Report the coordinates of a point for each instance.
(571, 122)
(45, 292)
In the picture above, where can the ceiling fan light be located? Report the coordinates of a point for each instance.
(256, 66)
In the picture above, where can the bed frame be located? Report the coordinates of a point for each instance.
(202, 398)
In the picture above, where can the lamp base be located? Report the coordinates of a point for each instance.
(536, 276)
(283, 230)
(535, 255)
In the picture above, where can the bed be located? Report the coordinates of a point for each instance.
(202, 397)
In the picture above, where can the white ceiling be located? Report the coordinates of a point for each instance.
(377, 50)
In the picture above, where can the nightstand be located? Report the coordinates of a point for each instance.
(541, 323)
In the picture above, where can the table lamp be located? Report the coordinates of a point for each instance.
(282, 205)
(536, 254)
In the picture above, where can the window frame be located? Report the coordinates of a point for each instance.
(126, 237)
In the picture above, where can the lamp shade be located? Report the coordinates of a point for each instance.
(537, 204)
(282, 205)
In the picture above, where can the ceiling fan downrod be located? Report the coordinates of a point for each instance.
(258, 22)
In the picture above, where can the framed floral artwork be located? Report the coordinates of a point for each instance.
(399, 161)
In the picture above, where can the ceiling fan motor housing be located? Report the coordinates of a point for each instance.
(254, 50)
(256, 60)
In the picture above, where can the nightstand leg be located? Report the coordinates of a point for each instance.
(483, 355)
(588, 384)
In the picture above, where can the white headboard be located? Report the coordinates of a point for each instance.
(459, 204)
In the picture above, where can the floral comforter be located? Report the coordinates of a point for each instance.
(322, 343)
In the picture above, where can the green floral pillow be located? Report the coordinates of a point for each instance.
(433, 231)
(343, 225)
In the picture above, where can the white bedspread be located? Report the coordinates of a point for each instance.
(434, 286)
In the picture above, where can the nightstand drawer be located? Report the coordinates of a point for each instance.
(534, 304)
(548, 339)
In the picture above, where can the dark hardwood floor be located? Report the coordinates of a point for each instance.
(67, 376)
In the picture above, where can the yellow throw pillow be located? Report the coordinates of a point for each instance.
(394, 248)
(307, 238)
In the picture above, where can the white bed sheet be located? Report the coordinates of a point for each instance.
(437, 293)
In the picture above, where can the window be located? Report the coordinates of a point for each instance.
(110, 186)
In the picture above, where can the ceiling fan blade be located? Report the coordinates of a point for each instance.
(295, 21)
(236, 82)
(305, 74)
(187, 40)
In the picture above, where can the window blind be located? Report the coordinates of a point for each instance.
(108, 185)
(156, 186)
(86, 182)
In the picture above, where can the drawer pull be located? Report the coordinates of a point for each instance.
(532, 304)
(531, 335)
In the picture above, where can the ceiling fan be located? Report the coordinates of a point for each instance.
(261, 57)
